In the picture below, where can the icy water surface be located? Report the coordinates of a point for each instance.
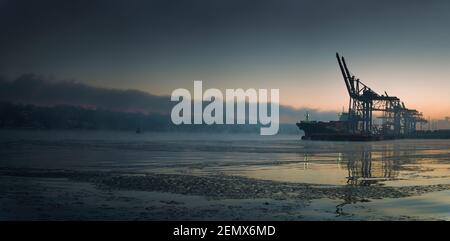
(122, 175)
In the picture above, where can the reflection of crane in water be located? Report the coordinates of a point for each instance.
(305, 161)
(360, 169)
(364, 171)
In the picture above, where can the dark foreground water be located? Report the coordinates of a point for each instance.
(86, 175)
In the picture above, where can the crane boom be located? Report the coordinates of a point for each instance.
(344, 75)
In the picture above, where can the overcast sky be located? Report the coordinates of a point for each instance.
(402, 47)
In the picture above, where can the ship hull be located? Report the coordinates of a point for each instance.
(342, 137)
(333, 131)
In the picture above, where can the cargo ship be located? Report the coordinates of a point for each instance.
(334, 130)
(356, 124)
(339, 131)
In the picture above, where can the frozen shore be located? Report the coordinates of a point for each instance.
(65, 175)
(83, 195)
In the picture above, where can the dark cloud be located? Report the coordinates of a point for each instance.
(40, 91)
(34, 89)
(83, 37)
